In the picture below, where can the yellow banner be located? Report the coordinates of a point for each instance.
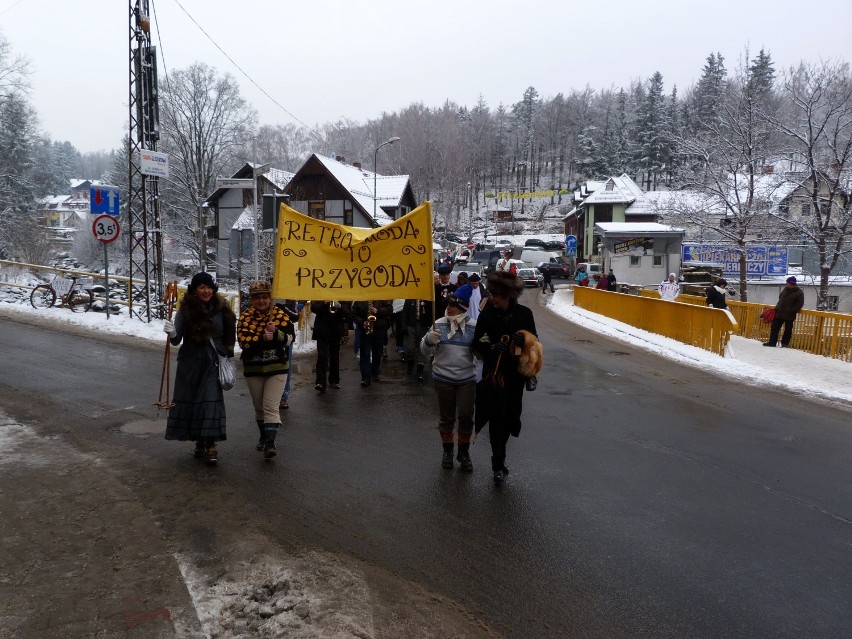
(318, 260)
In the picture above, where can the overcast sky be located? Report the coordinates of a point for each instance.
(323, 61)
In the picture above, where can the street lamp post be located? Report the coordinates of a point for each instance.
(375, 168)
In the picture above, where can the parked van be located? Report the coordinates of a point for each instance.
(592, 268)
(535, 255)
(487, 259)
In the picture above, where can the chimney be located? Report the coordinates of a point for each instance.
(357, 165)
(340, 159)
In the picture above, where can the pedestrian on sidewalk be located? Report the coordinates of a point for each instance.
(454, 375)
(265, 332)
(716, 294)
(670, 288)
(547, 280)
(198, 414)
(499, 396)
(790, 302)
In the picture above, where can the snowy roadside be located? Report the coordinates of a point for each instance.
(748, 361)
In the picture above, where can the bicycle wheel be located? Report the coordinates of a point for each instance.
(80, 299)
(43, 296)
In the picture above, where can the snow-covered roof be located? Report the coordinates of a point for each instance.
(245, 221)
(621, 190)
(687, 200)
(359, 183)
(279, 178)
(646, 228)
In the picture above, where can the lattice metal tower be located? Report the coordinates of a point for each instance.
(143, 202)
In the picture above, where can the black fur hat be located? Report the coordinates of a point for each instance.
(202, 278)
(505, 283)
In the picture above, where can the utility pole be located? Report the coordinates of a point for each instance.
(145, 235)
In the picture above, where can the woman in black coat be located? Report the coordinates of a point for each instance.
(198, 413)
(500, 394)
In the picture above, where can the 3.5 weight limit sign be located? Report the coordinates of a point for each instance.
(105, 228)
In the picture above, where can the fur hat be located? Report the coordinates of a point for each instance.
(202, 278)
(505, 283)
(259, 288)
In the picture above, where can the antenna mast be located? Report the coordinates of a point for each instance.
(143, 201)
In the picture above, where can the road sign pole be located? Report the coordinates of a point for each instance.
(106, 278)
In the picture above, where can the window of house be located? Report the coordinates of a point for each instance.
(806, 208)
(347, 217)
(658, 260)
(635, 260)
(316, 210)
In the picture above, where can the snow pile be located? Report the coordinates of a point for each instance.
(313, 597)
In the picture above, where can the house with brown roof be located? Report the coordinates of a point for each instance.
(329, 189)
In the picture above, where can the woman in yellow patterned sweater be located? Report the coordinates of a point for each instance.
(264, 332)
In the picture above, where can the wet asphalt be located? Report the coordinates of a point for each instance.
(645, 499)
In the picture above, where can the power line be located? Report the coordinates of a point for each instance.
(240, 69)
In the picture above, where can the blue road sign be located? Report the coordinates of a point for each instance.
(571, 246)
(104, 199)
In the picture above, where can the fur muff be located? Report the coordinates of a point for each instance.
(530, 355)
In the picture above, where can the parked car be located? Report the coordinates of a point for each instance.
(531, 276)
(555, 246)
(534, 241)
(556, 269)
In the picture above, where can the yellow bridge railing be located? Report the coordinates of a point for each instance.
(817, 332)
(707, 328)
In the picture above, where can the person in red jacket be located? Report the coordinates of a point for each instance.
(790, 302)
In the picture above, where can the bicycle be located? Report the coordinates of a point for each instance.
(72, 292)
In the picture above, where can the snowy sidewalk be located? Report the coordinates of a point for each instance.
(752, 363)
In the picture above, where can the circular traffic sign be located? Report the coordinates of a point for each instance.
(105, 228)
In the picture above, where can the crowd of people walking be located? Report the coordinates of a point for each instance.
(477, 337)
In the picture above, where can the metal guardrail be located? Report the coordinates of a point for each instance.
(703, 327)
(817, 332)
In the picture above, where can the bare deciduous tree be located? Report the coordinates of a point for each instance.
(817, 125)
(206, 124)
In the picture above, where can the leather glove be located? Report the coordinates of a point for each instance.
(169, 328)
(500, 348)
(433, 338)
(518, 339)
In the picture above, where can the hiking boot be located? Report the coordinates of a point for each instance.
(464, 461)
(447, 459)
(269, 449)
(211, 457)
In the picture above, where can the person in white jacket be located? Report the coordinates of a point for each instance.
(670, 288)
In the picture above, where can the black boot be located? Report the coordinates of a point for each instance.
(464, 457)
(420, 372)
(498, 465)
(262, 436)
(270, 431)
(447, 458)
